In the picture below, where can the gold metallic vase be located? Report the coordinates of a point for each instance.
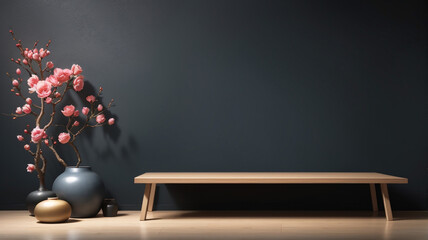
(52, 210)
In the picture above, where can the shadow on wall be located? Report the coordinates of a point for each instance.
(78, 99)
(105, 149)
(112, 132)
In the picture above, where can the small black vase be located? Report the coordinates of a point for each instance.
(37, 196)
(110, 207)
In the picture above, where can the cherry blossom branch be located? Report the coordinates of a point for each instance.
(14, 115)
(18, 91)
(44, 163)
(47, 90)
(40, 174)
(52, 118)
(42, 111)
(54, 105)
(77, 153)
(19, 63)
(41, 70)
(51, 147)
(63, 94)
(21, 49)
(81, 129)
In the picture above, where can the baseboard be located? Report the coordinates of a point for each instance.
(20, 206)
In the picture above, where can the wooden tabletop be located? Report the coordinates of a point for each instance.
(267, 177)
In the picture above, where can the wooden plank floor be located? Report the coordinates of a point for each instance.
(222, 225)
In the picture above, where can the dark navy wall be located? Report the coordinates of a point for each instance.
(235, 86)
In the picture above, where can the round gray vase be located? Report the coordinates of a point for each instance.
(82, 188)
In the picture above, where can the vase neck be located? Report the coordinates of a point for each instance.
(78, 169)
(42, 187)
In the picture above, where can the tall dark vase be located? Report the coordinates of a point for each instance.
(82, 188)
(34, 197)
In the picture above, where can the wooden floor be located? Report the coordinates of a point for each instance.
(222, 225)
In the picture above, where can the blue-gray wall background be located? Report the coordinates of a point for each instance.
(235, 86)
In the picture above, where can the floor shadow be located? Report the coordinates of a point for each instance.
(122, 214)
(267, 214)
(71, 220)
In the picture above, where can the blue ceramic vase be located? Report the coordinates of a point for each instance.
(82, 188)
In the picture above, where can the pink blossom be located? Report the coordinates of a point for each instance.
(57, 94)
(25, 61)
(76, 123)
(47, 142)
(36, 56)
(64, 138)
(20, 138)
(100, 118)
(78, 83)
(76, 113)
(63, 75)
(27, 147)
(54, 81)
(111, 121)
(42, 53)
(100, 107)
(26, 109)
(18, 71)
(31, 167)
(29, 101)
(76, 69)
(90, 98)
(85, 110)
(37, 134)
(68, 110)
(15, 83)
(43, 89)
(18, 110)
(48, 100)
(49, 64)
(32, 81)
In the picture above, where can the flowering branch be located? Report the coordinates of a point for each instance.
(51, 85)
(51, 147)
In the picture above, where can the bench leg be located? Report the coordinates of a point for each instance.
(152, 197)
(386, 202)
(145, 203)
(374, 198)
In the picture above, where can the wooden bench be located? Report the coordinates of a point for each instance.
(150, 179)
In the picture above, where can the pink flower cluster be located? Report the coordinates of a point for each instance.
(70, 111)
(35, 54)
(25, 109)
(43, 88)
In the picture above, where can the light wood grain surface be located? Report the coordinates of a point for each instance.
(267, 177)
(254, 225)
